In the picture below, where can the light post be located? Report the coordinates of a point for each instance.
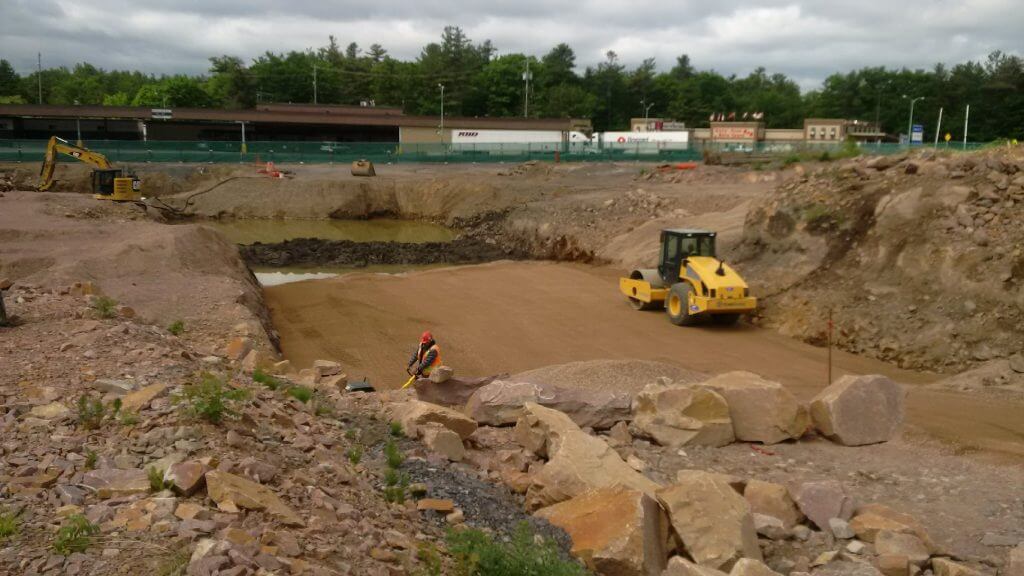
(910, 123)
(647, 109)
(78, 127)
(441, 86)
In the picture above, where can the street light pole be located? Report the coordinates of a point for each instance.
(442, 112)
(910, 122)
(78, 128)
(646, 110)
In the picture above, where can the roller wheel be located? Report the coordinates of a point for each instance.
(651, 276)
(641, 305)
(678, 305)
(725, 319)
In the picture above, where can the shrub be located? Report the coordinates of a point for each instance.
(477, 554)
(427, 554)
(105, 306)
(90, 412)
(128, 418)
(392, 454)
(791, 159)
(176, 564)
(209, 399)
(396, 429)
(355, 454)
(300, 393)
(76, 535)
(322, 407)
(351, 434)
(156, 479)
(90, 459)
(266, 379)
(395, 484)
(8, 525)
(177, 328)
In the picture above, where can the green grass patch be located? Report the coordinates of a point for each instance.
(393, 455)
(156, 480)
(76, 535)
(9, 525)
(476, 553)
(267, 380)
(395, 428)
(355, 454)
(177, 328)
(104, 306)
(210, 399)
(90, 412)
(300, 393)
(90, 459)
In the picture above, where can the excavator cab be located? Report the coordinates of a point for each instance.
(115, 184)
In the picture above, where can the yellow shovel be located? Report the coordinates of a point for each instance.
(409, 381)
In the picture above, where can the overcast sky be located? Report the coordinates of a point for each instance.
(806, 40)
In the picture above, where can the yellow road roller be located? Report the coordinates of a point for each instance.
(690, 283)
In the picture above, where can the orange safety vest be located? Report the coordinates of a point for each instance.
(437, 358)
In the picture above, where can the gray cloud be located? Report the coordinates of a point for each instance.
(805, 39)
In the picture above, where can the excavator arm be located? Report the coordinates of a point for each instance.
(61, 146)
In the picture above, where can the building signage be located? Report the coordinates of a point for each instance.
(917, 134)
(673, 126)
(733, 133)
(160, 114)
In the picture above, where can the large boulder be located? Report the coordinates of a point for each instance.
(615, 531)
(415, 413)
(946, 567)
(751, 567)
(761, 410)
(713, 520)
(679, 566)
(230, 491)
(677, 415)
(823, 500)
(501, 402)
(772, 500)
(443, 441)
(858, 410)
(892, 543)
(453, 392)
(578, 462)
(872, 519)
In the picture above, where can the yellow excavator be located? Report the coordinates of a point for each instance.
(108, 183)
(690, 283)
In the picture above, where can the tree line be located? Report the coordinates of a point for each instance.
(480, 82)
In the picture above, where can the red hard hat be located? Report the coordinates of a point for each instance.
(426, 337)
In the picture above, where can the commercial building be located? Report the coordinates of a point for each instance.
(291, 122)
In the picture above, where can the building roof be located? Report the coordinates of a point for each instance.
(294, 114)
(689, 231)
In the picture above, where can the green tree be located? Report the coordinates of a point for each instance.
(9, 79)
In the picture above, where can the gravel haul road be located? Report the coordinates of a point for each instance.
(511, 317)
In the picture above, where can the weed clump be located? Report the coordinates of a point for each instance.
(104, 306)
(396, 429)
(476, 553)
(267, 380)
(76, 535)
(156, 480)
(177, 327)
(8, 525)
(300, 393)
(209, 399)
(90, 412)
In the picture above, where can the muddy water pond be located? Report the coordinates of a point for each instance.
(376, 230)
(271, 276)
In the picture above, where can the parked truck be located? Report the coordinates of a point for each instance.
(518, 141)
(642, 142)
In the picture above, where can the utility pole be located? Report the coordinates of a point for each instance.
(526, 78)
(647, 109)
(78, 127)
(314, 83)
(967, 116)
(938, 128)
(39, 74)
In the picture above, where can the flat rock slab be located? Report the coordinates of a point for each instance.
(223, 487)
(115, 482)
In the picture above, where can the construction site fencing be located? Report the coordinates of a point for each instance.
(130, 151)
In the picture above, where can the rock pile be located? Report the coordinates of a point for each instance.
(919, 257)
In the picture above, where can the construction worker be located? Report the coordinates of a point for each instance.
(426, 356)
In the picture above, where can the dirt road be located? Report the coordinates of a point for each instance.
(510, 317)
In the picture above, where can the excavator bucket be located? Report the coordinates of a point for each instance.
(363, 168)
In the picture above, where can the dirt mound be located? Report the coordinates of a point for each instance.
(165, 273)
(308, 251)
(613, 375)
(920, 258)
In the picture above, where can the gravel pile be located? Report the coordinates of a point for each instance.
(616, 375)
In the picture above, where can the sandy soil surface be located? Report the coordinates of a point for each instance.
(511, 317)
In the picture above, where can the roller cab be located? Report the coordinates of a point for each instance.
(690, 283)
